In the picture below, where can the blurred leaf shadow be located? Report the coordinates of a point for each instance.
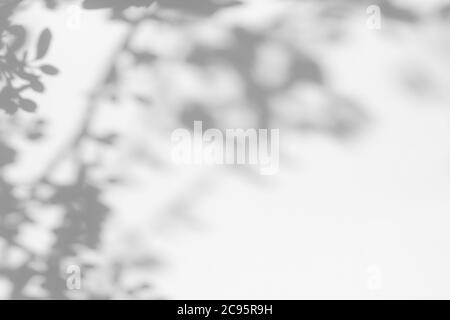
(80, 200)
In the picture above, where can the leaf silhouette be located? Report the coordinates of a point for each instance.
(28, 105)
(37, 85)
(49, 69)
(19, 33)
(10, 107)
(445, 12)
(7, 154)
(43, 44)
(121, 4)
(399, 13)
(196, 7)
